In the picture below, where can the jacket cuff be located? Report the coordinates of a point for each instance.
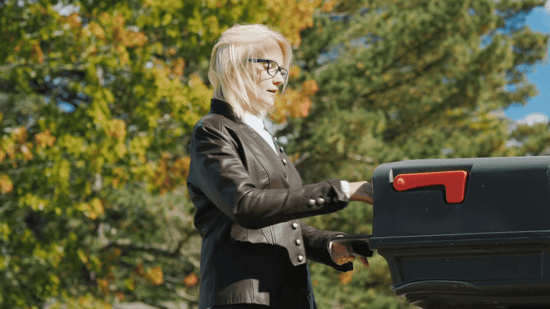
(337, 186)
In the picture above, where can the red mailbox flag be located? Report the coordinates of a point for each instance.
(454, 182)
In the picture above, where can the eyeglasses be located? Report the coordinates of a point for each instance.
(272, 67)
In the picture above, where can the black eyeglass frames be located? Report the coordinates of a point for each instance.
(272, 67)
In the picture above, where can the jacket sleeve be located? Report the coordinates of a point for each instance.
(317, 249)
(221, 175)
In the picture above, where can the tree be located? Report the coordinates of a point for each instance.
(97, 103)
(404, 80)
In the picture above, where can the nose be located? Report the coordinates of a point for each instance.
(278, 78)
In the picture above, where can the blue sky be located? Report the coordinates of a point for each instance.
(538, 107)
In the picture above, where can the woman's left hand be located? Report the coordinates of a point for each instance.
(341, 255)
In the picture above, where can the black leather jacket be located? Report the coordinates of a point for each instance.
(248, 201)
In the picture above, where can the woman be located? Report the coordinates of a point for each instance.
(248, 194)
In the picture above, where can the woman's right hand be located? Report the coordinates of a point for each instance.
(361, 191)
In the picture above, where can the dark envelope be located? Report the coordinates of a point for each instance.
(357, 245)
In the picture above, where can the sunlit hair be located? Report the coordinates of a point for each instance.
(230, 71)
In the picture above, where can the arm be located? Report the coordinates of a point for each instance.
(219, 172)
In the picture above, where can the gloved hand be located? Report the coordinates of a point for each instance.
(345, 250)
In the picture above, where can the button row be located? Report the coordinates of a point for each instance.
(321, 201)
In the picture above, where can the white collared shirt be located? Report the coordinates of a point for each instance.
(257, 124)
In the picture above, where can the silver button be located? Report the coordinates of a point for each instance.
(281, 149)
(320, 201)
(300, 258)
(284, 161)
(335, 199)
(311, 202)
(298, 242)
(294, 225)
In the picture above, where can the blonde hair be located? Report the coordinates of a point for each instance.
(230, 71)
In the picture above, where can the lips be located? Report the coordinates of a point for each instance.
(272, 91)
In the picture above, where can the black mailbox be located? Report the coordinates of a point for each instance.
(465, 233)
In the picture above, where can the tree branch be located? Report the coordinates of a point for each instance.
(301, 159)
(147, 248)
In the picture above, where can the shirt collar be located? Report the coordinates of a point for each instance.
(254, 121)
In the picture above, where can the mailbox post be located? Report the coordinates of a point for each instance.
(465, 233)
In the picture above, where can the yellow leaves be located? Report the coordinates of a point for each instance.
(58, 175)
(119, 295)
(96, 30)
(155, 275)
(103, 285)
(132, 38)
(180, 168)
(117, 129)
(165, 4)
(2, 267)
(123, 55)
(82, 256)
(294, 71)
(52, 254)
(328, 6)
(19, 134)
(85, 302)
(73, 144)
(35, 202)
(8, 146)
(138, 147)
(97, 208)
(310, 87)
(111, 28)
(292, 17)
(120, 177)
(130, 284)
(44, 139)
(191, 280)
(178, 66)
(139, 270)
(91, 209)
(294, 103)
(99, 110)
(5, 232)
(166, 19)
(345, 277)
(74, 21)
(27, 155)
(213, 26)
(36, 53)
(168, 174)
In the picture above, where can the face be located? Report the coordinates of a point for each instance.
(266, 86)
